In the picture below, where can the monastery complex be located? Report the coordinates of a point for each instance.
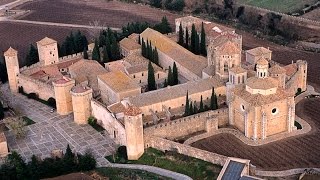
(255, 94)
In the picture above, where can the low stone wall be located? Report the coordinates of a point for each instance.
(167, 145)
(114, 128)
(285, 173)
(206, 121)
(44, 90)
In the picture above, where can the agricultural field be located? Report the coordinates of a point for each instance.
(284, 6)
(295, 152)
(20, 36)
(313, 15)
(111, 13)
(2, 2)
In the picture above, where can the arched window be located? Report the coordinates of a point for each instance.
(225, 67)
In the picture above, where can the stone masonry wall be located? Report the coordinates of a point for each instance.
(167, 145)
(205, 121)
(45, 91)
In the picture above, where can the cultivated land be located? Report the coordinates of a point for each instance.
(20, 36)
(113, 13)
(314, 14)
(284, 6)
(296, 152)
(2, 2)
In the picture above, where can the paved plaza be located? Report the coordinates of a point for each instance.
(52, 131)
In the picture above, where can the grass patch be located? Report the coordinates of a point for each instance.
(28, 120)
(120, 174)
(192, 167)
(298, 125)
(284, 6)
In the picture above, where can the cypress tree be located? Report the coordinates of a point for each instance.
(156, 56)
(151, 79)
(191, 108)
(201, 105)
(213, 101)
(195, 108)
(186, 110)
(3, 71)
(170, 77)
(148, 50)
(108, 46)
(1, 111)
(143, 48)
(102, 39)
(165, 84)
(193, 38)
(197, 45)
(32, 56)
(115, 50)
(203, 48)
(187, 39)
(181, 40)
(96, 51)
(175, 74)
(85, 53)
(105, 55)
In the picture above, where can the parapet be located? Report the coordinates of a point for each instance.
(64, 81)
(80, 90)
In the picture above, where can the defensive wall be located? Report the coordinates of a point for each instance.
(30, 85)
(167, 145)
(107, 120)
(207, 121)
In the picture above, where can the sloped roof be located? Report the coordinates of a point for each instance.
(118, 81)
(262, 61)
(172, 92)
(46, 41)
(291, 69)
(258, 51)
(129, 44)
(262, 83)
(132, 111)
(238, 70)
(276, 69)
(229, 48)
(11, 52)
(178, 53)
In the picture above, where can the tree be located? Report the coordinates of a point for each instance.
(96, 51)
(17, 125)
(187, 39)
(85, 53)
(156, 3)
(175, 5)
(213, 101)
(143, 48)
(86, 162)
(105, 57)
(203, 48)
(115, 50)
(151, 79)
(191, 109)
(197, 45)
(181, 40)
(163, 27)
(195, 108)
(170, 77)
(34, 166)
(3, 70)
(186, 110)
(175, 74)
(15, 160)
(165, 83)
(155, 56)
(193, 39)
(1, 111)
(201, 108)
(32, 56)
(68, 160)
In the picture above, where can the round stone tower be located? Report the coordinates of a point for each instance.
(134, 132)
(262, 68)
(12, 63)
(81, 103)
(62, 95)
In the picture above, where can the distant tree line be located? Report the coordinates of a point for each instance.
(192, 108)
(197, 44)
(173, 5)
(16, 168)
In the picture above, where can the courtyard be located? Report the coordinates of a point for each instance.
(52, 131)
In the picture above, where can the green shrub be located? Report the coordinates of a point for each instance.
(51, 102)
(92, 121)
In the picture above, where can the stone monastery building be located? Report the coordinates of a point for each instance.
(255, 94)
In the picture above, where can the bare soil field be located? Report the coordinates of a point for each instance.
(314, 15)
(20, 36)
(2, 2)
(112, 13)
(295, 152)
(285, 55)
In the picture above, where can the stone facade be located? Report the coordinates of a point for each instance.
(12, 63)
(81, 103)
(62, 88)
(3, 145)
(48, 51)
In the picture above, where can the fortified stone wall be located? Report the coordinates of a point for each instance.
(114, 128)
(298, 80)
(44, 90)
(167, 145)
(206, 121)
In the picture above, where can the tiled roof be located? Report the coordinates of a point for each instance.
(258, 51)
(135, 59)
(11, 52)
(178, 53)
(238, 70)
(276, 69)
(117, 108)
(46, 41)
(229, 48)
(132, 111)
(258, 99)
(88, 68)
(262, 61)
(262, 83)
(291, 69)
(142, 68)
(129, 44)
(62, 80)
(80, 89)
(118, 81)
(172, 92)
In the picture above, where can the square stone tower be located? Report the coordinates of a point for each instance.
(81, 103)
(134, 132)
(12, 63)
(62, 95)
(48, 51)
